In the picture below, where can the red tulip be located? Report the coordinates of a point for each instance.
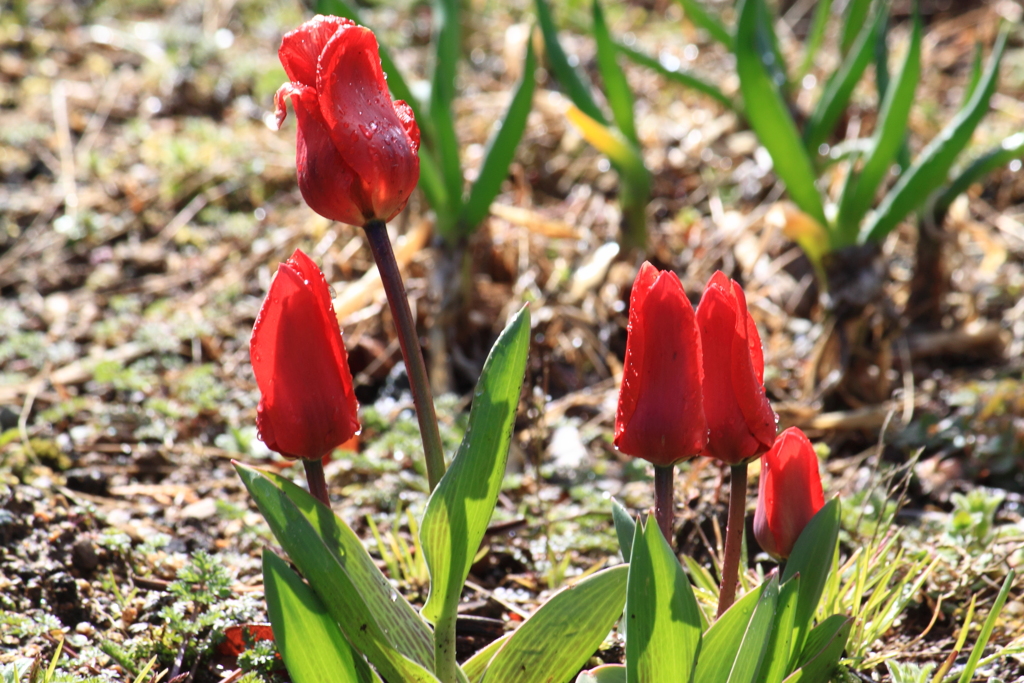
(661, 415)
(307, 407)
(356, 149)
(789, 493)
(740, 419)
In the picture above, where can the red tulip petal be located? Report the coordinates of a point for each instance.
(363, 122)
(300, 49)
(789, 493)
(308, 406)
(661, 417)
(753, 337)
(408, 120)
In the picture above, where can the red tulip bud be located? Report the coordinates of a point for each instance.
(661, 415)
(307, 406)
(740, 419)
(789, 493)
(356, 149)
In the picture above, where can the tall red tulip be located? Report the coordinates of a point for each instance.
(307, 405)
(356, 151)
(789, 493)
(661, 415)
(740, 419)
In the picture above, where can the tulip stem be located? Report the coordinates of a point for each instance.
(316, 480)
(664, 500)
(733, 537)
(384, 256)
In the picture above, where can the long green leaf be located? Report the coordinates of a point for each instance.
(824, 647)
(662, 614)
(461, 506)
(986, 628)
(856, 16)
(931, 167)
(700, 18)
(770, 118)
(616, 88)
(575, 88)
(976, 71)
(817, 33)
(475, 666)
(563, 633)
(377, 621)
(886, 141)
(840, 86)
(501, 149)
(447, 42)
(723, 640)
(779, 652)
(1011, 148)
(433, 186)
(311, 644)
(680, 76)
(758, 633)
(810, 559)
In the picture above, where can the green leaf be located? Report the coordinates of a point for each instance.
(810, 559)
(475, 666)
(1011, 148)
(616, 88)
(824, 647)
(311, 644)
(684, 78)
(564, 73)
(433, 187)
(976, 72)
(817, 33)
(624, 528)
(501, 149)
(743, 630)
(376, 620)
(780, 646)
(609, 673)
(700, 18)
(662, 616)
(931, 167)
(552, 645)
(886, 141)
(447, 42)
(856, 17)
(769, 117)
(461, 506)
(986, 629)
(840, 86)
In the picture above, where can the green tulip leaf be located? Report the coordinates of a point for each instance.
(768, 114)
(735, 644)
(930, 169)
(699, 17)
(558, 639)
(609, 673)
(824, 647)
(624, 528)
(501, 149)
(662, 617)
(616, 88)
(817, 33)
(856, 17)
(777, 657)
(577, 90)
(311, 644)
(461, 506)
(375, 619)
(1009, 149)
(682, 77)
(811, 559)
(475, 666)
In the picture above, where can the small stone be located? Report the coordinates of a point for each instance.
(83, 556)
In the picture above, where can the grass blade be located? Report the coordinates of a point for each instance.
(684, 78)
(311, 644)
(840, 86)
(770, 118)
(929, 170)
(616, 89)
(575, 88)
(700, 18)
(814, 38)
(501, 149)
(889, 136)
(986, 629)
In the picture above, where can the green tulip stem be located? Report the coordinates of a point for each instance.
(664, 500)
(733, 537)
(316, 480)
(384, 255)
